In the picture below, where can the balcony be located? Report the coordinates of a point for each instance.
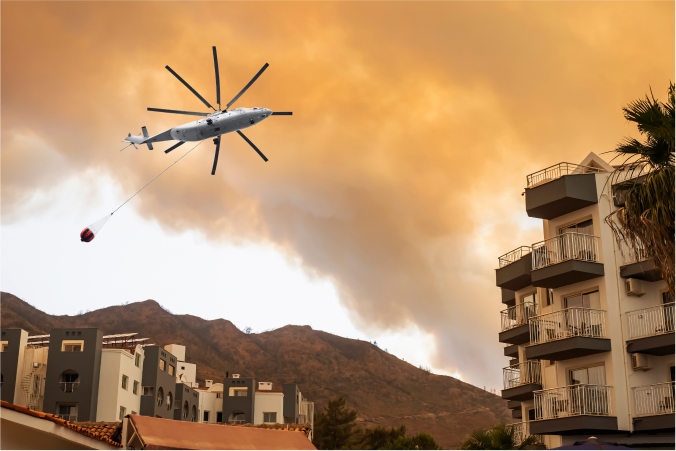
(654, 407)
(565, 259)
(514, 269)
(637, 265)
(651, 330)
(521, 380)
(514, 323)
(512, 351)
(567, 334)
(69, 387)
(522, 432)
(560, 189)
(573, 410)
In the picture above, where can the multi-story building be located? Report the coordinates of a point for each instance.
(589, 325)
(159, 383)
(120, 383)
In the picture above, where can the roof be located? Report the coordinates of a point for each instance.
(269, 391)
(158, 433)
(105, 432)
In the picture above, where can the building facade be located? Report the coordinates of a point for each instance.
(120, 383)
(159, 383)
(588, 324)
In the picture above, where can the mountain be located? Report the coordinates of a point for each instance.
(386, 390)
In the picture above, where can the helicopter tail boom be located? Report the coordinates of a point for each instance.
(139, 139)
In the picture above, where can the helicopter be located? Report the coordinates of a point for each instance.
(214, 124)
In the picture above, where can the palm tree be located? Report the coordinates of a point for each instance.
(501, 436)
(646, 222)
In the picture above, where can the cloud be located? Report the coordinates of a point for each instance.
(399, 175)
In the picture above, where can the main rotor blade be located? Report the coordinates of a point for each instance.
(191, 113)
(281, 113)
(252, 145)
(218, 146)
(190, 87)
(247, 86)
(218, 80)
(180, 143)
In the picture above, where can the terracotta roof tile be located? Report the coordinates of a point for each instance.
(106, 432)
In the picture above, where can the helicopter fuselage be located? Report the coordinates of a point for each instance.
(219, 123)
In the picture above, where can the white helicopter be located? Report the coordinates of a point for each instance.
(217, 123)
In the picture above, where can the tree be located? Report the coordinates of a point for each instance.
(248, 330)
(501, 436)
(646, 222)
(420, 441)
(377, 437)
(335, 426)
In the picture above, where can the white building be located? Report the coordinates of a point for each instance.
(185, 372)
(210, 402)
(268, 404)
(119, 383)
(588, 325)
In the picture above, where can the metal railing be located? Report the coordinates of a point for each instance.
(522, 432)
(655, 320)
(630, 255)
(582, 399)
(237, 421)
(69, 387)
(72, 418)
(517, 315)
(557, 171)
(564, 247)
(570, 322)
(513, 256)
(528, 372)
(656, 399)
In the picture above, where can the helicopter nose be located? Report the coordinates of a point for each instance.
(267, 112)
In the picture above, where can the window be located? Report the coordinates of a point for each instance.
(67, 412)
(667, 298)
(125, 382)
(186, 409)
(586, 300)
(72, 345)
(219, 395)
(137, 360)
(3, 345)
(238, 391)
(205, 418)
(585, 227)
(550, 296)
(593, 375)
(148, 391)
(160, 396)
(163, 365)
(269, 417)
(69, 381)
(193, 417)
(135, 388)
(219, 417)
(123, 412)
(171, 370)
(170, 401)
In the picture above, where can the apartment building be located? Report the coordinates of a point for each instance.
(589, 327)
(83, 375)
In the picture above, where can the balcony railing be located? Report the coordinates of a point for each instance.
(583, 399)
(629, 255)
(570, 322)
(555, 172)
(524, 373)
(69, 387)
(237, 421)
(72, 418)
(564, 247)
(654, 399)
(517, 315)
(522, 432)
(513, 256)
(650, 321)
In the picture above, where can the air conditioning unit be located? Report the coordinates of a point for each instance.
(640, 362)
(634, 287)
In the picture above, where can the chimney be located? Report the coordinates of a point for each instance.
(235, 376)
(208, 383)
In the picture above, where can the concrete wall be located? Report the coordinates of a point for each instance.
(242, 404)
(291, 403)
(87, 363)
(186, 394)
(157, 378)
(209, 401)
(11, 365)
(116, 363)
(269, 401)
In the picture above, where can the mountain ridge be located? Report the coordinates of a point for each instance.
(386, 390)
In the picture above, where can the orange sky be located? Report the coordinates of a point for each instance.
(399, 175)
